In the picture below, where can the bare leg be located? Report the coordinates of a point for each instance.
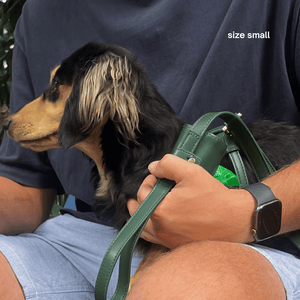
(10, 288)
(210, 270)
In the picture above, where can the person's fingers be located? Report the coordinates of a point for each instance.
(148, 233)
(132, 206)
(170, 167)
(146, 187)
(143, 192)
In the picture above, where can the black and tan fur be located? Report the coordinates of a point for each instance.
(101, 101)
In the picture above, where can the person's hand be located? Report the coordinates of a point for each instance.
(199, 207)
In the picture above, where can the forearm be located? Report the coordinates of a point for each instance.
(23, 208)
(285, 185)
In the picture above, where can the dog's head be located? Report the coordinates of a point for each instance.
(95, 83)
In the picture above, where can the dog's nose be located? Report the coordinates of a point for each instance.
(6, 124)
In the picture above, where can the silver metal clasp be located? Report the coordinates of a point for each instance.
(226, 130)
(191, 160)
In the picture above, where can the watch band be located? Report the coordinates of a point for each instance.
(261, 192)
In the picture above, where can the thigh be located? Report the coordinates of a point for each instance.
(210, 270)
(10, 288)
(61, 259)
(43, 272)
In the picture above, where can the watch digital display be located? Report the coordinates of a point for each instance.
(268, 219)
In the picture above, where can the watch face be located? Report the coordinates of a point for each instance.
(268, 219)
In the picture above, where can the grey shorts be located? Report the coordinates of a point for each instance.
(61, 260)
(287, 267)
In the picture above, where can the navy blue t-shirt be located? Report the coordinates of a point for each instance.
(202, 55)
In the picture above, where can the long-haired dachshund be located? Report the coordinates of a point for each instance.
(101, 101)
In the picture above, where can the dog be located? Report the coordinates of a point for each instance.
(101, 100)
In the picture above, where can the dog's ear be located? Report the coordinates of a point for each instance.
(70, 128)
(108, 87)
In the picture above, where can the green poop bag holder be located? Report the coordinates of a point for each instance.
(197, 144)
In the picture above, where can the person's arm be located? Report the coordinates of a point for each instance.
(23, 208)
(285, 184)
(201, 208)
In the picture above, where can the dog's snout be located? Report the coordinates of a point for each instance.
(6, 124)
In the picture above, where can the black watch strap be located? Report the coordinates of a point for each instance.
(261, 192)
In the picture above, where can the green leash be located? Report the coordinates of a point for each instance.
(204, 147)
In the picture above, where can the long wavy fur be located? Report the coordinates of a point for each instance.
(118, 98)
(141, 127)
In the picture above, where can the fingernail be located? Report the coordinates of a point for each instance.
(152, 166)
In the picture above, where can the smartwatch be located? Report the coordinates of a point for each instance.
(267, 215)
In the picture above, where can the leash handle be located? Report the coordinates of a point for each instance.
(208, 150)
(123, 245)
(242, 137)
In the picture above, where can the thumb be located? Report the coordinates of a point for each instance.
(169, 167)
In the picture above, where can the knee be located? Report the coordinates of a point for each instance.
(210, 270)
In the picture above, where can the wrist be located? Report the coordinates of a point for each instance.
(246, 207)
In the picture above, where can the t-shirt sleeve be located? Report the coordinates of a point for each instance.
(19, 164)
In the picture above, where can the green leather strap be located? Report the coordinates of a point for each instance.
(239, 168)
(208, 150)
(234, 155)
(233, 152)
(243, 137)
(125, 242)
